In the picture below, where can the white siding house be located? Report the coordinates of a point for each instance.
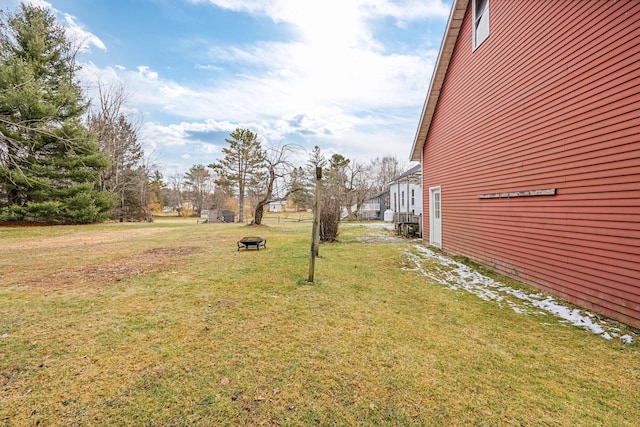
(405, 192)
(405, 201)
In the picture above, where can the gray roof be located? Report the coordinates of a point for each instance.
(414, 172)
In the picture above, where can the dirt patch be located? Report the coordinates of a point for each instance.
(149, 261)
(178, 251)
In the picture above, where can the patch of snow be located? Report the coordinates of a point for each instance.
(376, 228)
(376, 224)
(626, 339)
(457, 276)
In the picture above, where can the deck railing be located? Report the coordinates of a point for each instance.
(408, 224)
(405, 218)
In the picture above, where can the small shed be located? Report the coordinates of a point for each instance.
(228, 216)
(221, 215)
(277, 206)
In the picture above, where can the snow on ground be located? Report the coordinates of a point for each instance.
(377, 228)
(458, 276)
(377, 224)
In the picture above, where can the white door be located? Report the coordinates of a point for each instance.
(435, 217)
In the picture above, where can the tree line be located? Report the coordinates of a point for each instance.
(66, 159)
(249, 171)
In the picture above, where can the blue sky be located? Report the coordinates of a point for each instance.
(349, 76)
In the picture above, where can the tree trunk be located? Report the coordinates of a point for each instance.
(259, 213)
(241, 205)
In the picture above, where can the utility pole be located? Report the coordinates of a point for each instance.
(315, 237)
(316, 220)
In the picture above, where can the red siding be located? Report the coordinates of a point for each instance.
(551, 99)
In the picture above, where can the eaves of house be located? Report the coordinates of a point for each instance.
(412, 174)
(456, 16)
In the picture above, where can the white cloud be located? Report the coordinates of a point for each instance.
(335, 86)
(304, 12)
(348, 111)
(410, 10)
(40, 3)
(79, 35)
(76, 32)
(209, 148)
(208, 67)
(145, 71)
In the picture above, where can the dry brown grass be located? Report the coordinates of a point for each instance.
(168, 324)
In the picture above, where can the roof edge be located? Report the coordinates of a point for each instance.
(413, 171)
(458, 9)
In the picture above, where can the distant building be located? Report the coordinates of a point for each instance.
(221, 215)
(277, 206)
(405, 202)
(372, 208)
(405, 192)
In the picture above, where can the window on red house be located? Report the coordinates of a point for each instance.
(480, 22)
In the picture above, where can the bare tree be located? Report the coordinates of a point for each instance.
(199, 185)
(329, 216)
(127, 176)
(383, 170)
(357, 188)
(175, 193)
(277, 168)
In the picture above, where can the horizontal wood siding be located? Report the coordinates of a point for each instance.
(550, 100)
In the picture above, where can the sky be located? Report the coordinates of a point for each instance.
(348, 76)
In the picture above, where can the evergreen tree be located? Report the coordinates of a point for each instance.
(299, 189)
(333, 196)
(243, 165)
(157, 192)
(49, 162)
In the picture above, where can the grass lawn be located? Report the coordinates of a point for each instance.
(168, 324)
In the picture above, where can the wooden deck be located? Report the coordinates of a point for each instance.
(407, 225)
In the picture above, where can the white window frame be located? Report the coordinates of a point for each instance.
(477, 17)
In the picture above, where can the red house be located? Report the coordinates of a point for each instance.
(530, 145)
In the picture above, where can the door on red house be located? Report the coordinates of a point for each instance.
(435, 216)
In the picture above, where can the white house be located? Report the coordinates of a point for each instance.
(405, 192)
(405, 202)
